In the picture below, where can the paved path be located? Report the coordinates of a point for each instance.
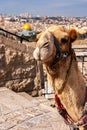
(22, 112)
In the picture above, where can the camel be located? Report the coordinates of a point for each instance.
(54, 50)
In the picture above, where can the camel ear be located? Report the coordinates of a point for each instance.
(73, 35)
(38, 36)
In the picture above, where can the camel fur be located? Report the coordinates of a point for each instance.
(72, 94)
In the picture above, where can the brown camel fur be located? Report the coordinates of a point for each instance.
(63, 75)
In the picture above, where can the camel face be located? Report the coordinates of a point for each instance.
(45, 48)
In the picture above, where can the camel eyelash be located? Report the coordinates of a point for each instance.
(46, 45)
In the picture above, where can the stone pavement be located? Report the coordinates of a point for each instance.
(22, 112)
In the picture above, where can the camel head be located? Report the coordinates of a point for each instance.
(54, 40)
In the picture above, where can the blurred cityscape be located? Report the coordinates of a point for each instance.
(15, 23)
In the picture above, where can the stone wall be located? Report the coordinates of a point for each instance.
(17, 69)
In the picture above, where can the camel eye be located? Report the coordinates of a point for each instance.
(64, 40)
(46, 45)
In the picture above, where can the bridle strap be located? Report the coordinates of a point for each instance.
(58, 52)
(59, 55)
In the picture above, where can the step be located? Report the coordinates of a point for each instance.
(41, 100)
(22, 112)
(27, 96)
(12, 100)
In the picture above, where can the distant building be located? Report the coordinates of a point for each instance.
(27, 32)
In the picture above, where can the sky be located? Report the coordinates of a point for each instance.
(77, 8)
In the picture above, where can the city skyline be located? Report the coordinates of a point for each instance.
(45, 8)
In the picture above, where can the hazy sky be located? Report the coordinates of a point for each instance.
(45, 7)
